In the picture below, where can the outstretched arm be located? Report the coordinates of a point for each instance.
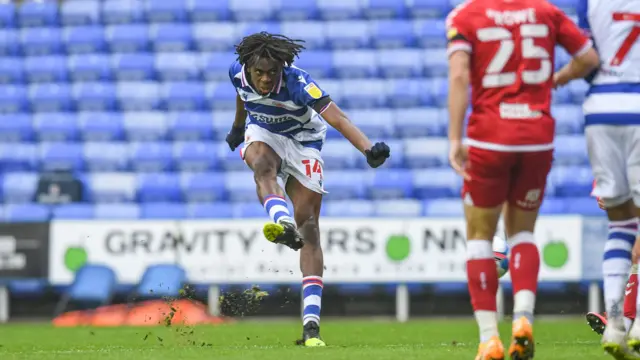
(235, 137)
(335, 117)
(241, 113)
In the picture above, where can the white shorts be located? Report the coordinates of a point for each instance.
(303, 163)
(614, 153)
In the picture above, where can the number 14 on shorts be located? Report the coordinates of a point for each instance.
(312, 167)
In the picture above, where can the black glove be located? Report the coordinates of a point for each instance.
(235, 137)
(377, 155)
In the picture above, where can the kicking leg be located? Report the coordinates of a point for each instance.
(306, 205)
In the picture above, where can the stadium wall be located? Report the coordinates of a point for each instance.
(374, 266)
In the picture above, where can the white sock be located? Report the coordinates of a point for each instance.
(616, 267)
(488, 324)
(524, 301)
(627, 324)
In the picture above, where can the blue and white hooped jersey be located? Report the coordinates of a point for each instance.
(288, 109)
(614, 95)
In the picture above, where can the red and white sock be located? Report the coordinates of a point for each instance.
(524, 266)
(482, 277)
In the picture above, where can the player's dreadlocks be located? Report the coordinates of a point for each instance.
(263, 44)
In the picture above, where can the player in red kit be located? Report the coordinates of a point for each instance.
(505, 50)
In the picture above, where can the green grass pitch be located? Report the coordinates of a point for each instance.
(274, 340)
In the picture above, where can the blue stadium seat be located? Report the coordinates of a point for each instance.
(151, 156)
(110, 187)
(7, 15)
(138, 96)
(121, 12)
(570, 150)
(206, 10)
(46, 69)
(256, 10)
(553, 206)
(568, 6)
(221, 96)
(19, 187)
(50, 97)
(26, 213)
(75, 13)
(16, 128)
(40, 41)
(38, 13)
(203, 187)
(348, 64)
(321, 64)
(339, 154)
(312, 32)
(364, 93)
(430, 8)
(431, 33)
(391, 184)
(210, 211)
(9, 42)
(420, 122)
(195, 156)
(571, 181)
(215, 36)
(436, 183)
(177, 67)
(398, 208)
(133, 67)
(171, 37)
(340, 9)
(296, 10)
(84, 39)
(405, 93)
(586, 206)
(93, 284)
(562, 95)
(25, 288)
(443, 207)
(240, 186)
(167, 11)
(117, 211)
(61, 156)
(183, 96)
(378, 124)
(561, 58)
(11, 69)
(221, 124)
(106, 156)
(426, 152)
(349, 208)
(13, 99)
(248, 209)
(190, 126)
(128, 38)
(229, 160)
(56, 127)
(400, 63)
(569, 119)
(435, 62)
(161, 281)
(393, 34)
(215, 65)
(348, 184)
(89, 67)
(95, 96)
(18, 157)
(158, 187)
(439, 89)
(578, 90)
(101, 126)
(169, 211)
(386, 9)
(73, 211)
(145, 126)
(348, 34)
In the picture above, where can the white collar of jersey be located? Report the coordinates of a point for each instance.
(243, 79)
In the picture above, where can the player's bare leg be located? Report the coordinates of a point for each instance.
(265, 163)
(306, 205)
(482, 278)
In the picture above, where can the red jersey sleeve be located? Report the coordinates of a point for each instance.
(570, 36)
(458, 36)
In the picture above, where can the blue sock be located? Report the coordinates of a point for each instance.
(616, 267)
(312, 299)
(277, 209)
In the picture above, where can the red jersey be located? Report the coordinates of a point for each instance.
(512, 45)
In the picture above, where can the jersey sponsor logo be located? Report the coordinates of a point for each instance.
(313, 91)
(272, 119)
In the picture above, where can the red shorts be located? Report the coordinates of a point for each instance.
(517, 177)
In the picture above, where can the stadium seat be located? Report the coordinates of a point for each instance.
(183, 96)
(321, 64)
(348, 34)
(90, 67)
(11, 69)
(364, 93)
(553, 206)
(391, 184)
(312, 32)
(160, 281)
(171, 37)
(93, 284)
(571, 181)
(570, 150)
(94, 96)
(177, 67)
(431, 33)
(203, 187)
(56, 156)
(151, 156)
(77, 13)
(586, 206)
(405, 93)
(37, 13)
(215, 36)
(386, 9)
(18, 157)
(73, 211)
(420, 122)
(19, 187)
(339, 154)
(229, 160)
(393, 34)
(167, 211)
(297, 10)
(430, 8)
(249, 208)
(121, 12)
(346, 64)
(116, 211)
(426, 152)
(398, 208)
(210, 11)
(138, 96)
(436, 183)
(378, 124)
(127, 38)
(84, 39)
(133, 67)
(110, 187)
(166, 11)
(158, 187)
(221, 96)
(349, 208)
(13, 99)
(349, 184)
(435, 62)
(400, 63)
(55, 127)
(106, 156)
(16, 128)
(9, 42)
(240, 186)
(215, 65)
(190, 126)
(340, 9)
(145, 126)
(195, 156)
(256, 10)
(578, 91)
(26, 213)
(48, 97)
(210, 211)
(101, 126)
(46, 69)
(443, 207)
(7, 15)
(40, 41)
(569, 119)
